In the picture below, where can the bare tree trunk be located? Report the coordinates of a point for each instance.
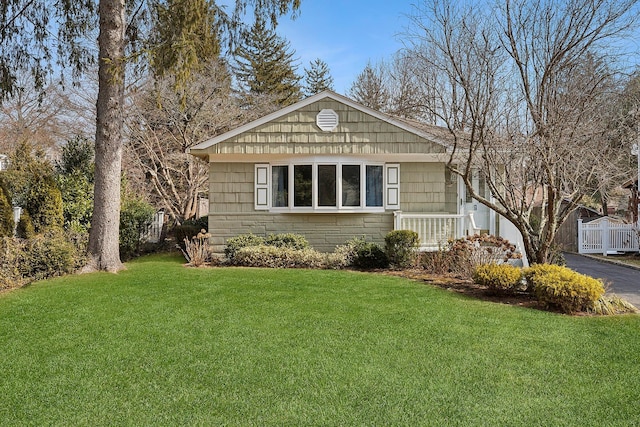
(103, 249)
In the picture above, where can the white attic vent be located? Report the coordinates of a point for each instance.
(327, 120)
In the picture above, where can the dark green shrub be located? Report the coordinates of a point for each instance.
(563, 288)
(135, 217)
(77, 201)
(48, 255)
(401, 247)
(370, 255)
(234, 244)
(185, 231)
(6, 214)
(501, 278)
(75, 176)
(202, 223)
(44, 204)
(287, 240)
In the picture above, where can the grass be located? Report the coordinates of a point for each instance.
(160, 344)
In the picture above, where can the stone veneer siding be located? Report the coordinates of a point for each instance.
(231, 211)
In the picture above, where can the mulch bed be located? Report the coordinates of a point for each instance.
(463, 286)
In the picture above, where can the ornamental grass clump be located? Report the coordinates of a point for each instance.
(197, 250)
(561, 287)
(499, 278)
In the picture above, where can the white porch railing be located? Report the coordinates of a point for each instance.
(434, 230)
(603, 236)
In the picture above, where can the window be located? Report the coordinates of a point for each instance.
(280, 186)
(374, 185)
(351, 185)
(303, 186)
(327, 187)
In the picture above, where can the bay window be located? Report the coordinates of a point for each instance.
(327, 187)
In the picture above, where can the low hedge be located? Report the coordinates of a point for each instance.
(278, 257)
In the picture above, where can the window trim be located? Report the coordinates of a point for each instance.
(388, 171)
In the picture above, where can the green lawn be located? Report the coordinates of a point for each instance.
(160, 344)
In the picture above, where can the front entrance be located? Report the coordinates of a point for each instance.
(482, 215)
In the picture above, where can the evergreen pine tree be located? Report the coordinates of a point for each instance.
(265, 65)
(317, 78)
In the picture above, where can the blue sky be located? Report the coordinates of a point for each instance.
(346, 34)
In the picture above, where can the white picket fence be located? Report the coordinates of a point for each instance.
(154, 231)
(603, 236)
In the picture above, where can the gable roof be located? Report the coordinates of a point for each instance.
(435, 134)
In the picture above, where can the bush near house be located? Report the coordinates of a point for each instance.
(279, 257)
(287, 240)
(369, 256)
(401, 247)
(234, 244)
(462, 256)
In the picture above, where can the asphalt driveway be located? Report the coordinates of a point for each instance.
(624, 281)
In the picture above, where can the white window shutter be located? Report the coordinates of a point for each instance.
(392, 185)
(262, 187)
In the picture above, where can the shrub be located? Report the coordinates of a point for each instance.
(201, 223)
(370, 255)
(135, 217)
(77, 201)
(287, 240)
(437, 262)
(47, 255)
(44, 204)
(278, 257)
(197, 249)
(336, 261)
(234, 244)
(472, 251)
(401, 247)
(6, 214)
(24, 228)
(498, 277)
(561, 287)
(344, 255)
(185, 231)
(11, 256)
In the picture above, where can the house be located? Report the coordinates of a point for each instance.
(332, 169)
(4, 162)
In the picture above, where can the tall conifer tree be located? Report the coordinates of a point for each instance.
(265, 65)
(317, 78)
